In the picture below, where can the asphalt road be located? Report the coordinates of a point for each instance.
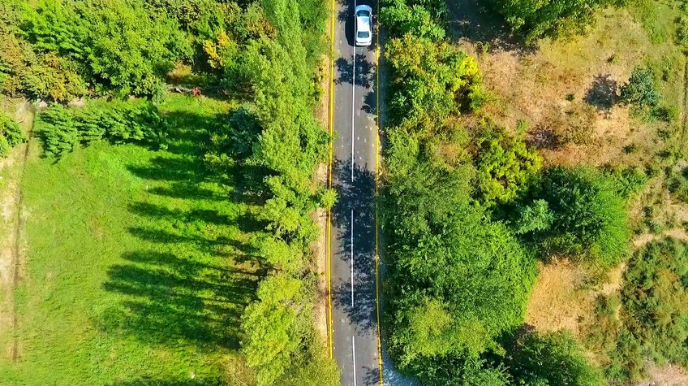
(354, 329)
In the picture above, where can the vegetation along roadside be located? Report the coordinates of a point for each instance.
(491, 180)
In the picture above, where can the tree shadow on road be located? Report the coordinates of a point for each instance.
(363, 71)
(354, 215)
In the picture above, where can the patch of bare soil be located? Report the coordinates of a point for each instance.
(614, 280)
(561, 301)
(665, 376)
(11, 225)
(644, 239)
(319, 250)
(566, 91)
(557, 301)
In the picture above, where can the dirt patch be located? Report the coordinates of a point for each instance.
(614, 280)
(320, 216)
(665, 376)
(11, 227)
(557, 301)
(567, 79)
(646, 238)
(561, 300)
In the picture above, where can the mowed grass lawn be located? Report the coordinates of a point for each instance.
(136, 267)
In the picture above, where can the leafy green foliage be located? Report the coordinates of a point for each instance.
(62, 129)
(589, 216)
(504, 166)
(460, 370)
(402, 16)
(54, 49)
(440, 247)
(272, 327)
(551, 359)
(25, 68)
(10, 134)
(640, 90)
(534, 217)
(430, 80)
(655, 299)
(279, 140)
(535, 19)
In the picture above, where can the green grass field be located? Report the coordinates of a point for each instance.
(137, 267)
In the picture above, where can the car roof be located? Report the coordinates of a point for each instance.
(363, 24)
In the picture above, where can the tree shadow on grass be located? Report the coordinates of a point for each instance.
(475, 21)
(603, 94)
(198, 273)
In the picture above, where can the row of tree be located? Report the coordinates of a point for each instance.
(277, 142)
(467, 211)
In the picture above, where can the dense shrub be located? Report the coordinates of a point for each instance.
(461, 280)
(401, 17)
(655, 297)
(504, 166)
(430, 81)
(53, 49)
(63, 129)
(640, 90)
(460, 370)
(28, 69)
(589, 216)
(551, 359)
(534, 19)
(10, 134)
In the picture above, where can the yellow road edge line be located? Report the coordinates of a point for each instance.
(330, 182)
(376, 192)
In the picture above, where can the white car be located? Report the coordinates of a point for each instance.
(363, 25)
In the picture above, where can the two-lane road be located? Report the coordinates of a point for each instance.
(353, 267)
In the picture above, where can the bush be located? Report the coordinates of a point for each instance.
(460, 370)
(677, 185)
(504, 166)
(10, 134)
(62, 129)
(39, 75)
(589, 216)
(640, 90)
(400, 17)
(534, 19)
(430, 81)
(655, 297)
(461, 279)
(551, 359)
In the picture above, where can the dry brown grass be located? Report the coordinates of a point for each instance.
(569, 87)
(668, 375)
(558, 300)
(562, 300)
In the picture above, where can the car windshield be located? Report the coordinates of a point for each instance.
(362, 14)
(362, 34)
